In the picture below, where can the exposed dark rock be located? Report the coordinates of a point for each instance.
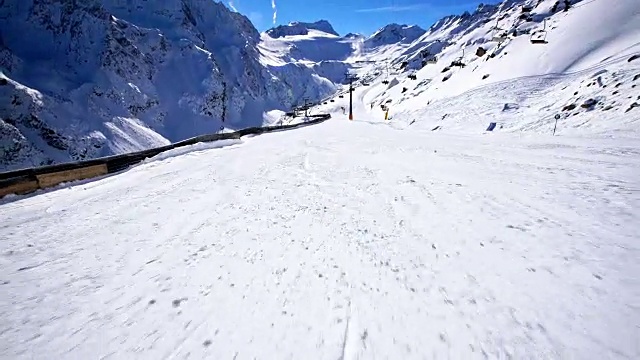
(589, 103)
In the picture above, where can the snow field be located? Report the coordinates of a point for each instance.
(342, 240)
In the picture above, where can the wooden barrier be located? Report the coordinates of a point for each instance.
(55, 178)
(19, 187)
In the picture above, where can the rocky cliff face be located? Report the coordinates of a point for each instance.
(82, 79)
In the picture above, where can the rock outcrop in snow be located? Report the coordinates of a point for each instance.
(92, 78)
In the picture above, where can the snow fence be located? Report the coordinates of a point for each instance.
(31, 179)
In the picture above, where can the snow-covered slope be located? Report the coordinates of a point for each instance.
(90, 78)
(421, 236)
(580, 73)
(345, 240)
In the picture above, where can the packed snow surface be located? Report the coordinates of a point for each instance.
(351, 240)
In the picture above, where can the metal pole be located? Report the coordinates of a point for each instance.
(350, 98)
(556, 125)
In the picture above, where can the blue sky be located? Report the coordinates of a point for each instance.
(362, 16)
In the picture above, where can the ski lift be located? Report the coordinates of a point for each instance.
(431, 60)
(499, 35)
(386, 78)
(540, 36)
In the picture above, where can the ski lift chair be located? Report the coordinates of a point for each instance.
(499, 34)
(539, 36)
(502, 37)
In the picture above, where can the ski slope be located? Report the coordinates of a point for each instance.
(574, 53)
(368, 238)
(350, 240)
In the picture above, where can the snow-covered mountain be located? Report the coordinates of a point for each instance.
(99, 77)
(394, 34)
(527, 61)
(91, 78)
(301, 28)
(315, 46)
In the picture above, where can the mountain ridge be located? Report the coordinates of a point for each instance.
(301, 28)
(128, 76)
(138, 75)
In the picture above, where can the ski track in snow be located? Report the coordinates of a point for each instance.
(344, 240)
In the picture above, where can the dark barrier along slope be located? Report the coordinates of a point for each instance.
(27, 180)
